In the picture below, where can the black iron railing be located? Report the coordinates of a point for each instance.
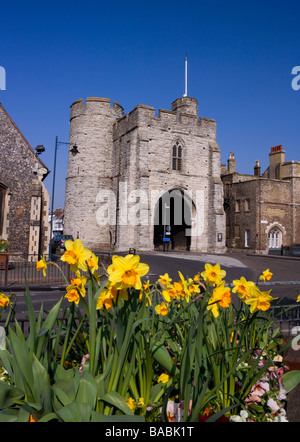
(20, 268)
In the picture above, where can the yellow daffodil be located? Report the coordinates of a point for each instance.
(140, 403)
(185, 293)
(131, 403)
(76, 255)
(298, 298)
(259, 300)
(79, 282)
(107, 297)
(178, 288)
(4, 300)
(241, 287)
(126, 271)
(165, 279)
(166, 295)
(169, 294)
(146, 285)
(266, 275)
(161, 309)
(72, 294)
(76, 288)
(42, 265)
(92, 262)
(213, 274)
(221, 297)
(196, 278)
(147, 295)
(110, 295)
(193, 288)
(104, 301)
(163, 378)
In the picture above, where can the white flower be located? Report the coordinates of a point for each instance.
(280, 419)
(281, 395)
(174, 412)
(281, 416)
(273, 405)
(240, 418)
(278, 358)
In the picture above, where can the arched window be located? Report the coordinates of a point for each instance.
(177, 156)
(275, 238)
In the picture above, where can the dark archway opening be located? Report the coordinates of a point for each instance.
(172, 222)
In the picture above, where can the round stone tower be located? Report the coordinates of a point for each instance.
(90, 172)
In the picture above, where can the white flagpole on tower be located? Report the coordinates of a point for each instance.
(185, 93)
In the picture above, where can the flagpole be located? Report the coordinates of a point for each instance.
(185, 93)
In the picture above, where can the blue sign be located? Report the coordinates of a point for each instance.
(166, 239)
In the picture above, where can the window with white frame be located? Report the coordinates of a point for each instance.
(275, 238)
(247, 238)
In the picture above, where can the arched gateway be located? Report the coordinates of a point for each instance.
(173, 220)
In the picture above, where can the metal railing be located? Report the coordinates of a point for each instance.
(287, 318)
(20, 268)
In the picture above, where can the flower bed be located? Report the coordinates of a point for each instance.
(125, 350)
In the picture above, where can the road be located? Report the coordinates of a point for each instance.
(285, 281)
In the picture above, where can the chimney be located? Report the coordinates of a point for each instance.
(257, 168)
(231, 163)
(276, 159)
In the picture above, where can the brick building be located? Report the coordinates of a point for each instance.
(142, 180)
(263, 210)
(24, 200)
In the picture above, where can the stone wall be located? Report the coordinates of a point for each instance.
(26, 200)
(260, 204)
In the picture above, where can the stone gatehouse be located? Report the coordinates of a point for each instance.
(143, 180)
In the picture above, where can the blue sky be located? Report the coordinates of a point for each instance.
(240, 58)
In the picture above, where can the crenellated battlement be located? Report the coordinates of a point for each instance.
(96, 105)
(183, 116)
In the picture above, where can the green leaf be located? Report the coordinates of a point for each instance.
(2, 338)
(162, 356)
(114, 399)
(48, 417)
(41, 387)
(291, 379)
(70, 413)
(23, 362)
(9, 395)
(87, 392)
(8, 417)
(98, 417)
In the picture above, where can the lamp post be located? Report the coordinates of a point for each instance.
(74, 152)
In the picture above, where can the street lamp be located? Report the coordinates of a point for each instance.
(74, 152)
(39, 149)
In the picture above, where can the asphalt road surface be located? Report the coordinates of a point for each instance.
(285, 283)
